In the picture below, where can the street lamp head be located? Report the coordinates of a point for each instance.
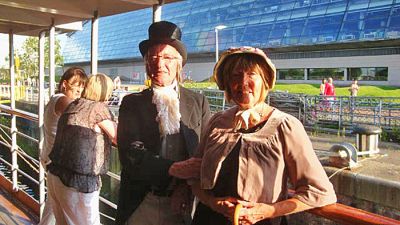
(220, 27)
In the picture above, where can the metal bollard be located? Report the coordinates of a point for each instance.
(367, 139)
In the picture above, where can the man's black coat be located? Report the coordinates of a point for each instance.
(142, 167)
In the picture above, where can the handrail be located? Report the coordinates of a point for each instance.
(344, 214)
(107, 216)
(113, 175)
(348, 215)
(19, 170)
(109, 203)
(21, 150)
(20, 133)
(28, 137)
(20, 113)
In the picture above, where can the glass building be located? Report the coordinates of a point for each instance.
(307, 39)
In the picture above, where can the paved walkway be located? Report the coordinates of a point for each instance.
(323, 141)
(385, 165)
(11, 213)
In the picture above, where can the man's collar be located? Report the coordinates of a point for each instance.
(174, 86)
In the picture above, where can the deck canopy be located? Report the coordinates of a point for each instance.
(29, 17)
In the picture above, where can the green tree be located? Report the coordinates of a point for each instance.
(29, 56)
(4, 75)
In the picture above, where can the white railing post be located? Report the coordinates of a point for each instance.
(14, 147)
(52, 69)
(41, 118)
(157, 9)
(380, 111)
(95, 42)
(340, 112)
(223, 102)
(216, 45)
(305, 99)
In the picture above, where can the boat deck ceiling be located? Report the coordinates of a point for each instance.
(13, 213)
(27, 17)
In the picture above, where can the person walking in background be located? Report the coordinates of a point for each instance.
(329, 88)
(354, 88)
(323, 102)
(70, 88)
(353, 93)
(117, 83)
(322, 87)
(157, 129)
(81, 153)
(330, 92)
(118, 93)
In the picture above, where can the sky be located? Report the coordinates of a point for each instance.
(18, 42)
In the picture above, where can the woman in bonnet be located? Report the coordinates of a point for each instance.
(250, 151)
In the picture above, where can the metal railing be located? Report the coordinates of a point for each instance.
(340, 113)
(337, 114)
(25, 93)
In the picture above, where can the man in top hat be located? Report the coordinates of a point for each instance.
(158, 129)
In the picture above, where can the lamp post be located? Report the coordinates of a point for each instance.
(219, 27)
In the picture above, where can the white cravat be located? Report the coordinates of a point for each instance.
(167, 103)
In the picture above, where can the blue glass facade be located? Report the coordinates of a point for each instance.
(259, 23)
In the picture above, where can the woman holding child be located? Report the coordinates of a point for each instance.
(80, 154)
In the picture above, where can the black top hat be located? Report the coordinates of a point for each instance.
(164, 32)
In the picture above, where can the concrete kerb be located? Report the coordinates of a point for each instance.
(374, 189)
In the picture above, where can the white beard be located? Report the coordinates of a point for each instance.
(167, 103)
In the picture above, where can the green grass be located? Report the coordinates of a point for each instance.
(200, 85)
(313, 89)
(310, 89)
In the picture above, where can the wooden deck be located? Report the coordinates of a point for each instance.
(12, 212)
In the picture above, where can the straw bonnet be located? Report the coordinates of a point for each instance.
(243, 50)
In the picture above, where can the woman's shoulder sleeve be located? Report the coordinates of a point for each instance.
(306, 173)
(100, 112)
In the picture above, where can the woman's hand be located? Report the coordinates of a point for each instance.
(252, 212)
(186, 169)
(224, 206)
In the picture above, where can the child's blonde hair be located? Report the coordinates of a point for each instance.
(98, 88)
